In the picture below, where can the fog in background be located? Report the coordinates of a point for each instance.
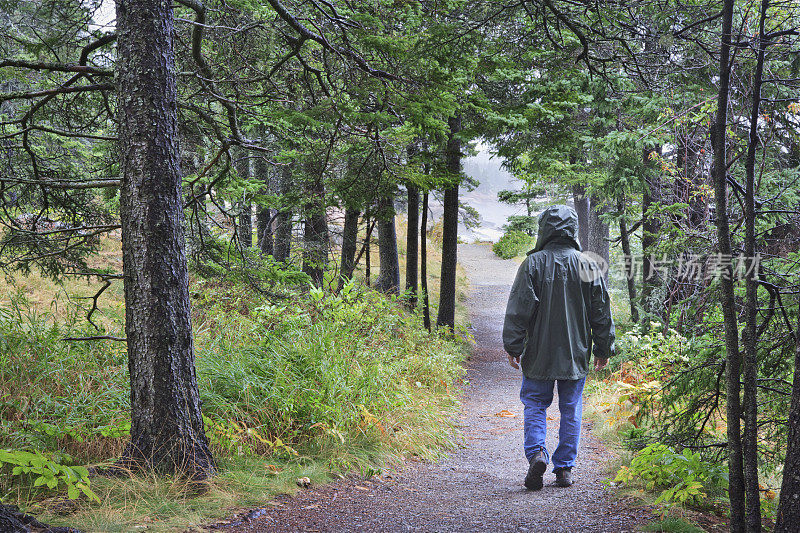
(487, 170)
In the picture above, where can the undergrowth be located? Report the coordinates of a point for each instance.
(303, 384)
(632, 402)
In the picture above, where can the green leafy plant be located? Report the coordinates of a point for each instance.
(683, 478)
(238, 439)
(42, 471)
(512, 244)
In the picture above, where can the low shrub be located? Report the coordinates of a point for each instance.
(682, 478)
(512, 244)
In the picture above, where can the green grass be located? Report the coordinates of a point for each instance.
(299, 385)
(163, 504)
(673, 524)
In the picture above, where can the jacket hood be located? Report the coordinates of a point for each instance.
(557, 222)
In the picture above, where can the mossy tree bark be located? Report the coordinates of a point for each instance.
(750, 333)
(789, 504)
(736, 488)
(167, 432)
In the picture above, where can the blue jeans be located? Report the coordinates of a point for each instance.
(536, 396)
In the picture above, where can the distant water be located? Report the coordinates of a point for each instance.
(486, 169)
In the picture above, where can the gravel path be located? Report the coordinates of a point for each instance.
(479, 487)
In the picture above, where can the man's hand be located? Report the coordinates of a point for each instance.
(600, 364)
(513, 361)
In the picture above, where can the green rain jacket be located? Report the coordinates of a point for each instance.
(559, 306)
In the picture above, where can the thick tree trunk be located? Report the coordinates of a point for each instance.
(389, 270)
(315, 237)
(650, 228)
(736, 489)
(789, 504)
(423, 265)
(245, 224)
(750, 335)
(412, 245)
(447, 288)
(167, 431)
(349, 244)
(283, 220)
(582, 208)
(244, 207)
(599, 233)
(629, 263)
(264, 239)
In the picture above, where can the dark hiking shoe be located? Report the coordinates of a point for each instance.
(533, 481)
(564, 477)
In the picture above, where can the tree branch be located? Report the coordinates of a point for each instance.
(22, 95)
(55, 67)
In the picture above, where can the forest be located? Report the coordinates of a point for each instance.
(220, 255)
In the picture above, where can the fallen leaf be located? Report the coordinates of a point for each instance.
(303, 482)
(505, 413)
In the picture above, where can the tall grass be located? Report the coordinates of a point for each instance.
(324, 369)
(306, 383)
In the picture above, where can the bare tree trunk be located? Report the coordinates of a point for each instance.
(423, 267)
(264, 237)
(789, 504)
(447, 287)
(626, 250)
(389, 270)
(650, 228)
(598, 232)
(167, 432)
(736, 489)
(412, 245)
(244, 207)
(283, 220)
(582, 208)
(749, 335)
(315, 241)
(349, 244)
(368, 258)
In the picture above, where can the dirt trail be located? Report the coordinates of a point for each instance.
(479, 487)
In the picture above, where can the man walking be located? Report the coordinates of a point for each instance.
(558, 310)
